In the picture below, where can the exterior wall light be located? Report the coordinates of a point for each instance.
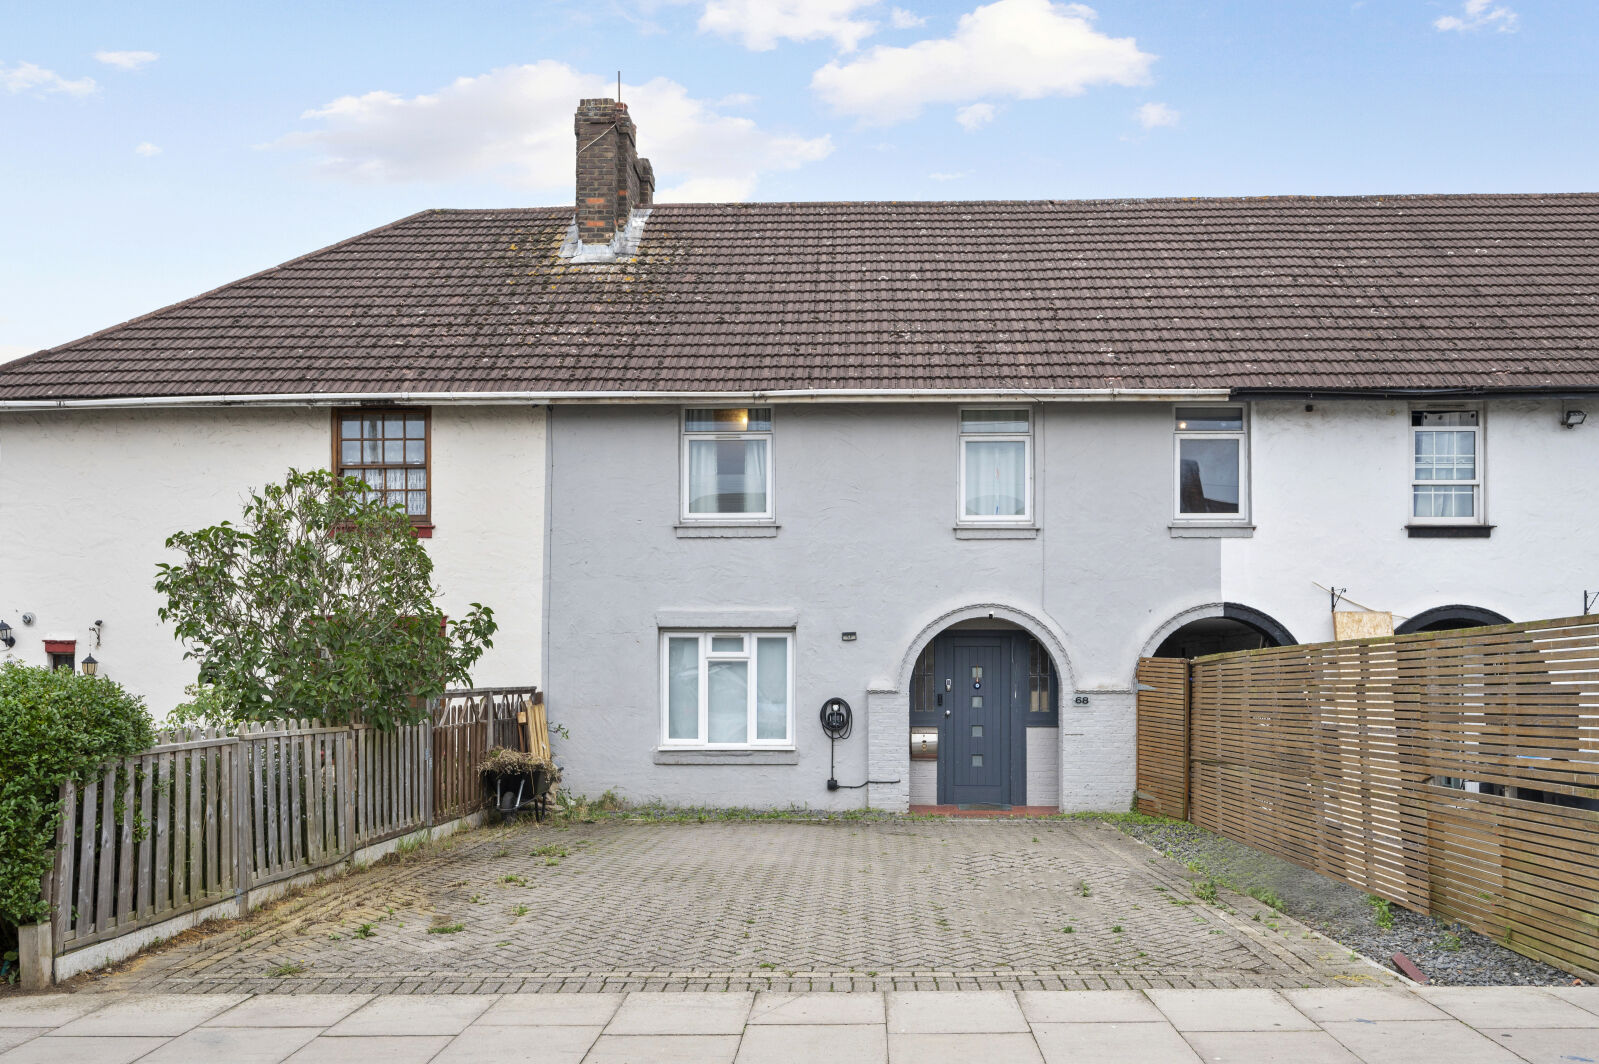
(1572, 418)
(90, 666)
(6, 638)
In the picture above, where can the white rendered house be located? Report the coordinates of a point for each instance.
(722, 468)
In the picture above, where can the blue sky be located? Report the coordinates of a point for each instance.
(150, 151)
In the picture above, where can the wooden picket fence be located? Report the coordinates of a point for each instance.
(1455, 773)
(466, 724)
(208, 814)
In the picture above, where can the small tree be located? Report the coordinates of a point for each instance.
(320, 603)
(55, 726)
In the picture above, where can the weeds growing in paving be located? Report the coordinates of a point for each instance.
(283, 970)
(365, 931)
(446, 929)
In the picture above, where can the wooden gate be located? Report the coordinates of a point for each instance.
(1162, 781)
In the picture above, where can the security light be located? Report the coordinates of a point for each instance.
(1572, 418)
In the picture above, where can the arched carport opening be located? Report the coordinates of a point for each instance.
(1221, 629)
(1449, 618)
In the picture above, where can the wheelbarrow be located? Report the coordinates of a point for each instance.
(510, 793)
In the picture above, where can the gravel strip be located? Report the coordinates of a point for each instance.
(1454, 956)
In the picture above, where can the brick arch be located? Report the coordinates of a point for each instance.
(1038, 628)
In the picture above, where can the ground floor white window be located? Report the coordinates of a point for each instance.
(727, 689)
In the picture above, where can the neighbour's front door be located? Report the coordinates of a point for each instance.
(977, 728)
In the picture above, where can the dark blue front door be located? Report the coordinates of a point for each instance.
(976, 765)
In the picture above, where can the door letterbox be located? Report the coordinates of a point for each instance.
(924, 744)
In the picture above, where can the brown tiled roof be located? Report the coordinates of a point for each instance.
(1491, 292)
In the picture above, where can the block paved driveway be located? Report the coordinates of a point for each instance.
(784, 906)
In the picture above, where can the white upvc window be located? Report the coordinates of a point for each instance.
(1446, 466)
(727, 464)
(732, 690)
(1211, 450)
(996, 465)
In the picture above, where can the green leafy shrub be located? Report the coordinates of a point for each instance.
(209, 705)
(319, 604)
(55, 726)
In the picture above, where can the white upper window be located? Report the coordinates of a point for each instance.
(1212, 463)
(727, 463)
(727, 689)
(996, 464)
(1446, 476)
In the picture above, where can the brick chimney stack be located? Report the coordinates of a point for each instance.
(612, 181)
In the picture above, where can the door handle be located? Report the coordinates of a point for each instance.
(947, 712)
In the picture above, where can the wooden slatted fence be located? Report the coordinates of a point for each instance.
(1162, 782)
(1456, 773)
(208, 814)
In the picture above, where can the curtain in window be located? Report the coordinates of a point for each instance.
(1445, 456)
(728, 690)
(996, 478)
(727, 476)
(683, 688)
(771, 689)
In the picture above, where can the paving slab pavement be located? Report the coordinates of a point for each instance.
(1369, 1025)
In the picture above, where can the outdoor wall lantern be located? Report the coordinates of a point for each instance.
(90, 666)
(1572, 418)
(6, 637)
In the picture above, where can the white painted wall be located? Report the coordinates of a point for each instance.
(87, 499)
(1043, 766)
(1331, 499)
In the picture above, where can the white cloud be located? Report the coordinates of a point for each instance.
(514, 125)
(760, 24)
(126, 60)
(1152, 115)
(1025, 49)
(30, 77)
(901, 19)
(975, 117)
(956, 175)
(1480, 14)
(147, 149)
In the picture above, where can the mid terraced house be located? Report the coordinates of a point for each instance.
(957, 465)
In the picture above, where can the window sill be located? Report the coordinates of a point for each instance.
(1449, 531)
(727, 757)
(996, 531)
(1216, 531)
(422, 531)
(726, 531)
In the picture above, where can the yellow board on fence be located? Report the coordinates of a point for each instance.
(1362, 624)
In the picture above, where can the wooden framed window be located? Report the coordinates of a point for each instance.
(391, 449)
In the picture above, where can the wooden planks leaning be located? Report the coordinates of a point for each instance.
(1456, 773)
